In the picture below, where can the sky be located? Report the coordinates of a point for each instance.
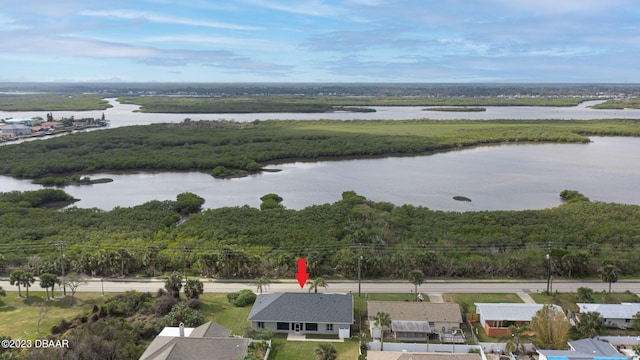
(419, 41)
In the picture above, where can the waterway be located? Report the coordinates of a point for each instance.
(505, 177)
(125, 115)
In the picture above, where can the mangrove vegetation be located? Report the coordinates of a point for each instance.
(234, 148)
(248, 242)
(52, 102)
(288, 103)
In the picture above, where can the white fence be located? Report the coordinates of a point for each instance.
(424, 347)
(499, 348)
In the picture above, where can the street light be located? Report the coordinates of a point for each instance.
(548, 274)
(64, 283)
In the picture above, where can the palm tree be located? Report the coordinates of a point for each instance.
(319, 281)
(383, 320)
(514, 339)
(27, 280)
(326, 351)
(262, 283)
(609, 273)
(14, 279)
(48, 281)
(589, 324)
(416, 277)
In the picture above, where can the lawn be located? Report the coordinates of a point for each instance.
(470, 299)
(568, 300)
(360, 303)
(217, 308)
(20, 316)
(305, 350)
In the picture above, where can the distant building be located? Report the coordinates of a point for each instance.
(15, 130)
(27, 122)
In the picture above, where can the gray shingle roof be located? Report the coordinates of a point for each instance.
(210, 329)
(592, 346)
(185, 348)
(417, 311)
(612, 311)
(302, 307)
(207, 341)
(509, 311)
(585, 349)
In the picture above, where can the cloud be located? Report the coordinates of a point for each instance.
(301, 7)
(556, 7)
(227, 42)
(8, 24)
(159, 18)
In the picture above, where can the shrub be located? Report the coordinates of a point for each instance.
(181, 313)
(163, 305)
(193, 303)
(242, 298)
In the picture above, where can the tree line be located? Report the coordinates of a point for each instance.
(387, 241)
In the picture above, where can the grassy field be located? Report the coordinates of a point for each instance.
(619, 104)
(52, 102)
(20, 316)
(305, 350)
(568, 300)
(470, 299)
(217, 308)
(249, 104)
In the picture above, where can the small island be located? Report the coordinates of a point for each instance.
(461, 198)
(69, 180)
(456, 109)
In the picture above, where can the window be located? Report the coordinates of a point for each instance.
(282, 326)
(329, 327)
(260, 325)
(311, 327)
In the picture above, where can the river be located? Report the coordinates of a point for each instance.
(508, 177)
(505, 177)
(124, 115)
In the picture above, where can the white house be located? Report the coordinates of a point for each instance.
(616, 315)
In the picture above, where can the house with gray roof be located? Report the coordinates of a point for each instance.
(418, 321)
(303, 313)
(585, 349)
(616, 315)
(207, 341)
(497, 317)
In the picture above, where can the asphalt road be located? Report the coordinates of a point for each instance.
(464, 286)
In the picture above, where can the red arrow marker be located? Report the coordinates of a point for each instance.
(302, 274)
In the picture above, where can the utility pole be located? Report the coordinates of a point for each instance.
(360, 257)
(62, 257)
(549, 269)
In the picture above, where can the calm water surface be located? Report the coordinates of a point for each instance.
(123, 115)
(506, 177)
